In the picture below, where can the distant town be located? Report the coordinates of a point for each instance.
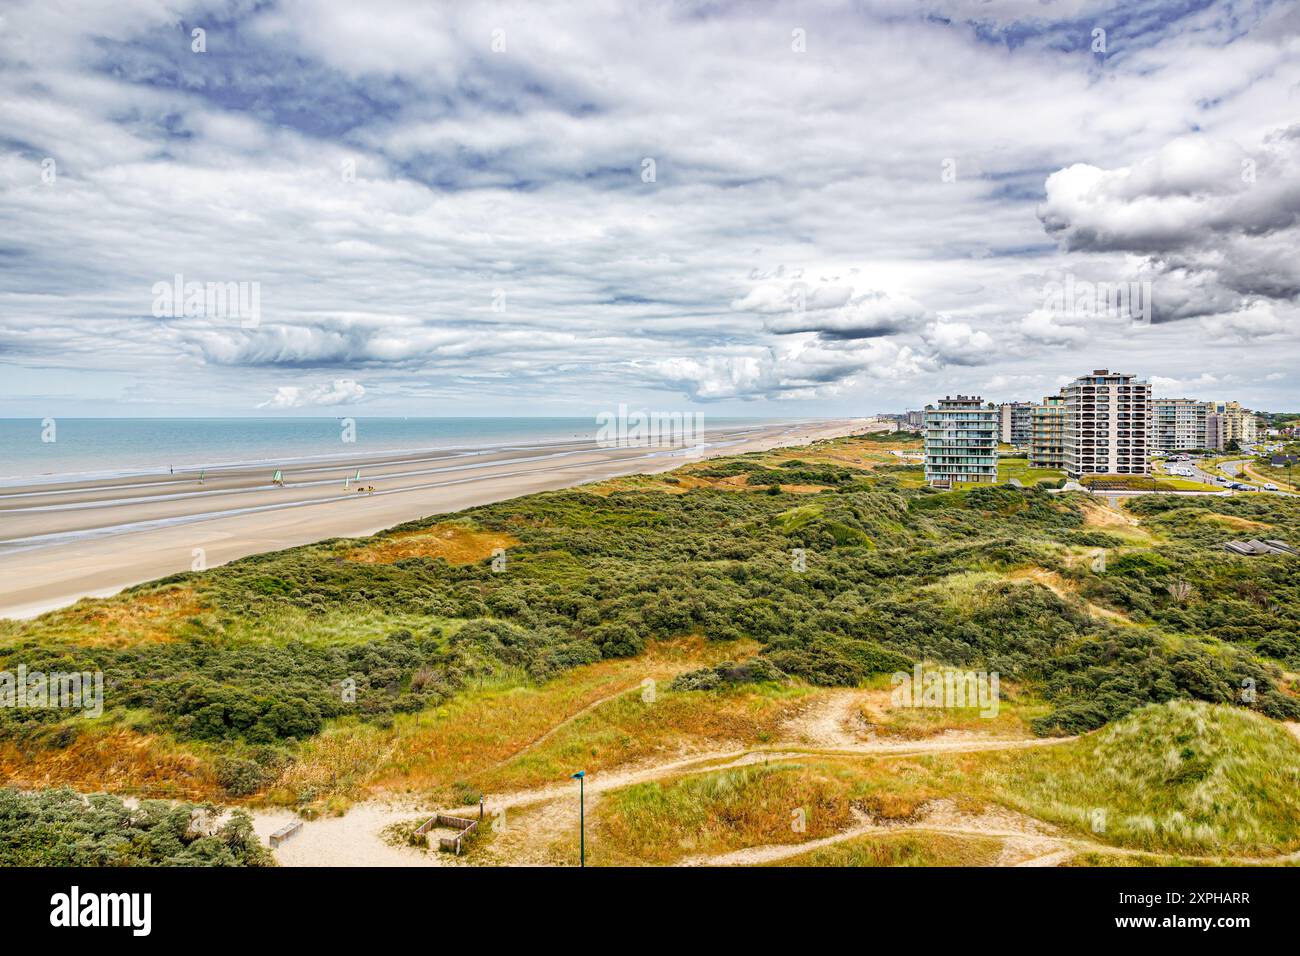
(1103, 425)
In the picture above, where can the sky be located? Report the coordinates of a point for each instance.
(747, 209)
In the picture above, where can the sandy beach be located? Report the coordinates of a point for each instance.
(64, 540)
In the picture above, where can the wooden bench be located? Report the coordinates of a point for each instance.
(282, 834)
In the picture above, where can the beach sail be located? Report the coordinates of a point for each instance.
(277, 479)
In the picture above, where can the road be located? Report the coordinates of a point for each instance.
(1237, 468)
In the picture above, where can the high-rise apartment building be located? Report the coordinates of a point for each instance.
(961, 441)
(1177, 424)
(1015, 423)
(1214, 428)
(1106, 425)
(1047, 433)
(1235, 423)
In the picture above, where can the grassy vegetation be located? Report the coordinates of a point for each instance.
(405, 661)
(508, 731)
(1144, 483)
(59, 827)
(1018, 468)
(1181, 781)
(1183, 777)
(727, 810)
(1018, 708)
(629, 729)
(901, 849)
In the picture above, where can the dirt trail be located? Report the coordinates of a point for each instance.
(530, 824)
(834, 720)
(758, 855)
(535, 818)
(1026, 841)
(1098, 515)
(1051, 858)
(1024, 837)
(538, 741)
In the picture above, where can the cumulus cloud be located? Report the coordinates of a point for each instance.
(339, 392)
(957, 343)
(1043, 325)
(1164, 386)
(1217, 226)
(808, 369)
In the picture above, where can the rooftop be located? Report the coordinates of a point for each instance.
(1255, 547)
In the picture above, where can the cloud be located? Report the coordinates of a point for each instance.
(1166, 387)
(805, 370)
(845, 316)
(1216, 226)
(771, 298)
(468, 230)
(957, 343)
(1257, 320)
(1042, 325)
(340, 392)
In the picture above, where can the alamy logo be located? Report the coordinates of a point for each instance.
(103, 909)
(947, 688)
(217, 300)
(1082, 299)
(76, 690)
(624, 429)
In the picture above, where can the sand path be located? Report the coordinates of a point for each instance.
(535, 819)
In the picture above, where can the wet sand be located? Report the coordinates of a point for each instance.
(61, 541)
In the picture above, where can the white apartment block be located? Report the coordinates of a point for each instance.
(1106, 425)
(1178, 424)
(961, 441)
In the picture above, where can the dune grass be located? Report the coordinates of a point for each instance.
(443, 752)
(1182, 777)
(1183, 781)
(785, 801)
(141, 615)
(453, 542)
(776, 803)
(901, 849)
(630, 728)
(1017, 707)
(115, 757)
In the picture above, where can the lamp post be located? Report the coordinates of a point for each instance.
(581, 776)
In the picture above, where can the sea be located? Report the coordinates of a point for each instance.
(110, 447)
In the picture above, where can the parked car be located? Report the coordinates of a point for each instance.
(1270, 487)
